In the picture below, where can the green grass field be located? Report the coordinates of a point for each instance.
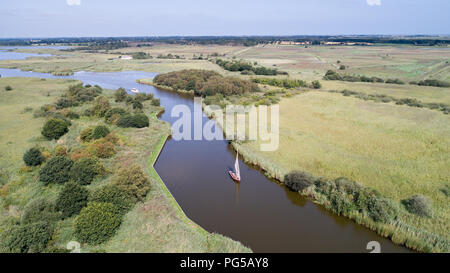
(155, 225)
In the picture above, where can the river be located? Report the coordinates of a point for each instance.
(258, 212)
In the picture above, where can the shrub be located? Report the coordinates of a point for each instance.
(102, 149)
(381, 209)
(29, 238)
(55, 128)
(298, 181)
(56, 170)
(138, 121)
(84, 171)
(156, 102)
(101, 106)
(33, 157)
(72, 115)
(120, 95)
(112, 194)
(86, 134)
(97, 223)
(340, 202)
(113, 113)
(316, 84)
(133, 181)
(65, 103)
(40, 210)
(137, 105)
(141, 97)
(60, 150)
(100, 131)
(8, 88)
(112, 138)
(418, 204)
(71, 199)
(80, 153)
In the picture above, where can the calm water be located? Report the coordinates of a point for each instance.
(5, 54)
(258, 212)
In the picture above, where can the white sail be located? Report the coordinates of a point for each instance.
(236, 166)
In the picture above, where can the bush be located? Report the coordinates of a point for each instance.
(97, 223)
(316, 85)
(33, 157)
(120, 95)
(40, 210)
(112, 194)
(132, 181)
(419, 204)
(8, 88)
(298, 181)
(84, 171)
(100, 131)
(114, 114)
(101, 106)
(137, 105)
(71, 199)
(86, 134)
(55, 128)
(61, 150)
(156, 102)
(138, 121)
(29, 238)
(381, 209)
(102, 149)
(56, 170)
(80, 153)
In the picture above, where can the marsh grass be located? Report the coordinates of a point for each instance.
(398, 150)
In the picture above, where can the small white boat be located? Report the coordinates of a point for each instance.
(134, 90)
(236, 175)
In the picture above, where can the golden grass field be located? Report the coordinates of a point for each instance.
(398, 150)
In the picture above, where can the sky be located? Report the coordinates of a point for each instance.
(108, 18)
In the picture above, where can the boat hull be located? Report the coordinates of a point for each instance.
(234, 176)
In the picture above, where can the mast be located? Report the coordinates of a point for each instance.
(236, 166)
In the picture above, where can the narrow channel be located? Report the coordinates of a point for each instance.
(258, 212)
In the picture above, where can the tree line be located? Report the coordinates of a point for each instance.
(205, 83)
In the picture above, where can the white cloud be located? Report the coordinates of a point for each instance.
(373, 2)
(78, 2)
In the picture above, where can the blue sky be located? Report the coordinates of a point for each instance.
(56, 18)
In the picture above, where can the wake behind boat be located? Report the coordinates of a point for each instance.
(236, 175)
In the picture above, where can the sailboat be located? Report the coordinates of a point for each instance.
(236, 176)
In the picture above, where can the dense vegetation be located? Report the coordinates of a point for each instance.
(205, 83)
(334, 76)
(284, 83)
(431, 82)
(91, 43)
(247, 68)
(445, 108)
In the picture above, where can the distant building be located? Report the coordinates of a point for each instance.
(126, 57)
